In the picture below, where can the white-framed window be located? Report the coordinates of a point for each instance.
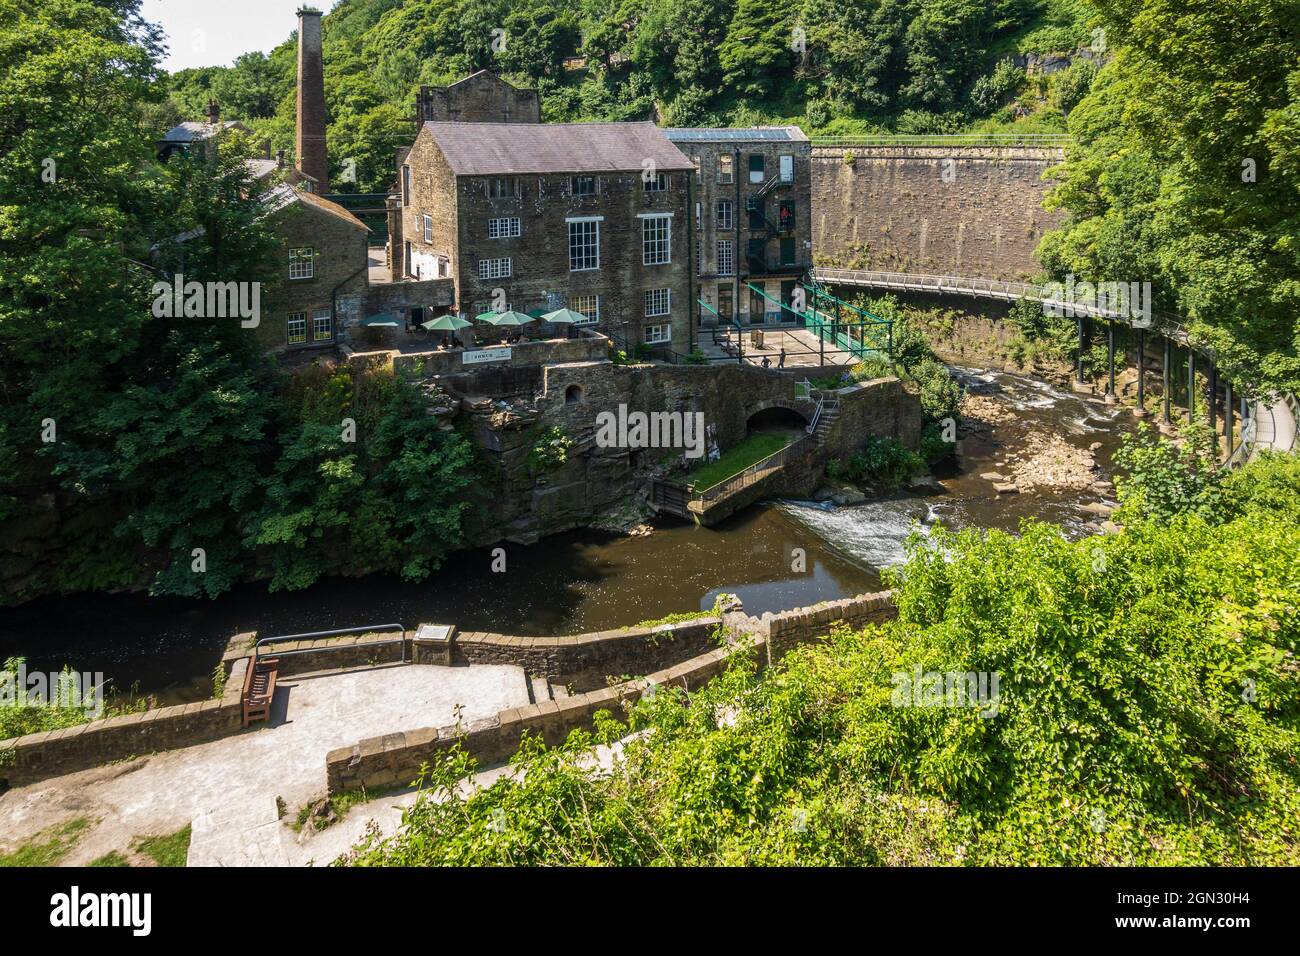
(503, 187)
(584, 244)
(322, 325)
(658, 302)
(726, 257)
(494, 268)
(428, 228)
(582, 185)
(295, 328)
(506, 227)
(657, 183)
(699, 219)
(695, 161)
(726, 168)
(724, 214)
(657, 334)
(302, 263)
(588, 305)
(656, 240)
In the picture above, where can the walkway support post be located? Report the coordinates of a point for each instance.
(1191, 385)
(1168, 385)
(1110, 363)
(1083, 347)
(1213, 388)
(1141, 410)
(1227, 415)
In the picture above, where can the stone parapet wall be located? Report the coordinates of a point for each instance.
(585, 661)
(394, 760)
(786, 629)
(52, 753)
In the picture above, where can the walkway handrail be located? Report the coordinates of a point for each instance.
(1004, 289)
(743, 479)
(946, 139)
(816, 415)
(337, 632)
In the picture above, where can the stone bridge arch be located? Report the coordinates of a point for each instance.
(770, 413)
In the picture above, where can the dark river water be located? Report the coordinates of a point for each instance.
(581, 581)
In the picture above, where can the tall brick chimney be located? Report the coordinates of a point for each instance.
(312, 157)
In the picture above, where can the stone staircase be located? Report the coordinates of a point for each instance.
(825, 422)
(540, 689)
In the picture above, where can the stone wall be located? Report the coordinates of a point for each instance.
(786, 629)
(521, 506)
(963, 211)
(585, 661)
(882, 408)
(394, 760)
(52, 753)
(480, 98)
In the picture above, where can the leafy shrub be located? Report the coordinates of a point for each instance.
(1071, 85)
(885, 461)
(1162, 478)
(993, 89)
(549, 452)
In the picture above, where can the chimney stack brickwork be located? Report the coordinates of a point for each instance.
(313, 160)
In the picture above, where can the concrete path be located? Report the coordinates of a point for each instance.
(228, 788)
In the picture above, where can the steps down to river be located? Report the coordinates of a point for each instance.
(540, 689)
(825, 422)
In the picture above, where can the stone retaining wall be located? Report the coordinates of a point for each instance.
(942, 210)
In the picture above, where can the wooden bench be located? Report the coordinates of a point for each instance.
(259, 688)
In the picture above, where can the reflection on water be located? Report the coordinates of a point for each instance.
(581, 581)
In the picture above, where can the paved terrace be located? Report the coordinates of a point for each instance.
(228, 788)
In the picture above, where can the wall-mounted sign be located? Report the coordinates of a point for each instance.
(486, 355)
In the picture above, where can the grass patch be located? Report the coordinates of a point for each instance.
(49, 846)
(166, 850)
(736, 459)
(110, 859)
(339, 804)
(679, 617)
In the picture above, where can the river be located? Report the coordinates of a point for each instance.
(584, 581)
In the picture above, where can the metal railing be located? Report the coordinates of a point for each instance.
(1051, 140)
(755, 472)
(338, 632)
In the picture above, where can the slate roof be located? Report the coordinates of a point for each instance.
(486, 149)
(286, 195)
(190, 132)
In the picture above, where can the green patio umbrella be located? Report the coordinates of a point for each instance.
(382, 320)
(510, 318)
(564, 315)
(487, 316)
(445, 323)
